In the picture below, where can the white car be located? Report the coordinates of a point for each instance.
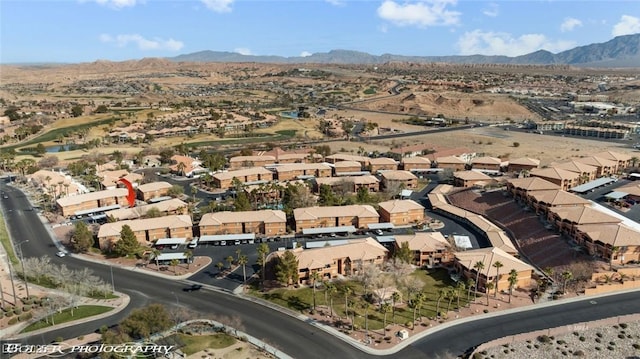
(61, 254)
(379, 232)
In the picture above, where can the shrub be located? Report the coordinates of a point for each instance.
(13, 321)
(598, 340)
(621, 336)
(544, 339)
(578, 353)
(612, 343)
(485, 311)
(18, 311)
(9, 314)
(582, 339)
(26, 308)
(516, 144)
(599, 335)
(636, 346)
(597, 348)
(612, 348)
(59, 339)
(25, 317)
(623, 325)
(576, 333)
(561, 342)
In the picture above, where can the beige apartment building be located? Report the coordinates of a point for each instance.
(465, 261)
(349, 183)
(151, 190)
(264, 222)
(430, 249)
(253, 175)
(338, 157)
(523, 164)
(346, 168)
(415, 163)
(486, 163)
(563, 178)
(292, 171)
(401, 212)
(174, 206)
(239, 162)
(382, 164)
(147, 231)
(451, 162)
(399, 179)
(617, 243)
(355, 215)
(623, 160)
(471, 179)
(605, 167)
(587, 172)
(543, 201)
(87, 201)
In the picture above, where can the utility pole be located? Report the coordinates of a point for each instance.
(24, 274)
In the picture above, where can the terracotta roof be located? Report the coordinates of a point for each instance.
(489, 256)
(302, 166)
(532, 184)
(525, 161)
(383, 161)
(555, 173)
(154, 186)
(416, 159)
(400, 205)
(346, 164)
(472, 176)
(614, 156)
(252, 159)
(597, 161)
(113, 229)
(450, 160)
(487, 160)
(495, 234)
(348, 157)
(558, 198)
(575, 166)
(169, 205)
(367, 179)
(584, 215)
(355, 210)
(398, 175)
(92, 196)
(266, 216)
(356, 250)
(616, 235)
(241, 173)
(423, 241)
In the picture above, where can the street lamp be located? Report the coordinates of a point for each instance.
(24, 274)
(177, 300)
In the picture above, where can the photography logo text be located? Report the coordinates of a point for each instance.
(61, 348)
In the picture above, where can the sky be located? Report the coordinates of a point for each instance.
(74, 31)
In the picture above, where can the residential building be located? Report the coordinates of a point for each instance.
(349, 183)
(55, 184)
(253, 175)
(521, 187)
(563, 178)
(292, 171)
(147, 231)
(451, 162)
(523, 164)
(472, 179)
(399, 179)
(151, 190)
(335, 216)
(566, 219)
(382, 164)
(265, 222)
(542, 201)
(111, 179)
(486, 163)
(416, 163)
(401, 212)
(587, 173)
(338, 260)
(605, 167)
(624, 160)
(338, 157)
(429, 249)
(465, 262)
(347, 168)
(617, 243)
(239, 162)
(174, 206)
(186, 166)
(93, 200)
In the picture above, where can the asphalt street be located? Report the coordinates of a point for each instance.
(289, 334)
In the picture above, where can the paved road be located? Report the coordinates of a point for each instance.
(289, 334)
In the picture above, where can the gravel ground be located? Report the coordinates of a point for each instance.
(611, 342)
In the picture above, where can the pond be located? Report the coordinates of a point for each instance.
(289, 114)
(61, 148)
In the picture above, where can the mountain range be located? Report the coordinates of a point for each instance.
(621, 51)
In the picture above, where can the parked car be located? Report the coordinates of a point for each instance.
(61, 254)
(192, 288)
(379, 232)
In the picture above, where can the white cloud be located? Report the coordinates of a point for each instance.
(626, 26)
(569, 24)
(497, 43)
(491, 10)
(336, 2)
(142, 43)
(422, 14)
(116, 4)
(218, 5)
(242, 51)
(305, 54)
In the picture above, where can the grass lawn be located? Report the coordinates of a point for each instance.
(196, 343)
(83, 311)
(301, 299)
(6, 241)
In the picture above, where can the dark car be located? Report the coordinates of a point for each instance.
(192, 288)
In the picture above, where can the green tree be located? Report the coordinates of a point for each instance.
(513, 280)
(489, 287)
(418, 301)
(242, 261)
(286, 268)
(241, 202)
(220, 266)
(101, 109)
(331, 290)
(460, 287)
(478, 266)
(82, 238)
(229, 260)
(175, 191)
(128, 244)
(395, 298)
(314, 277)
(77, 111)
(40, 150)
(566, 277)
(404, 253)
(188, 254)
(142, 323)
(174, 263)
(385, 308)
(326, 196)
(363, 196)
(471, 284)
(153, 212)
(442, 293)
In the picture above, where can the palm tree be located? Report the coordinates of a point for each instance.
(614, 251)
(174, 264)
(460, 287)
(156, 254)
(566, 277)
(188, 254)
(229, 260)
(441, 294)
(243, 260)
(479, 266)
(385, 308)
(418, 301)
(180, 167)
(470, 285)
(220, 265)
(634, 160)
(314, 277)
(489, 286)
(347, 292)
(395, 298)
(497, 265)
(331, 290)
(450, 294)
(513, 280)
